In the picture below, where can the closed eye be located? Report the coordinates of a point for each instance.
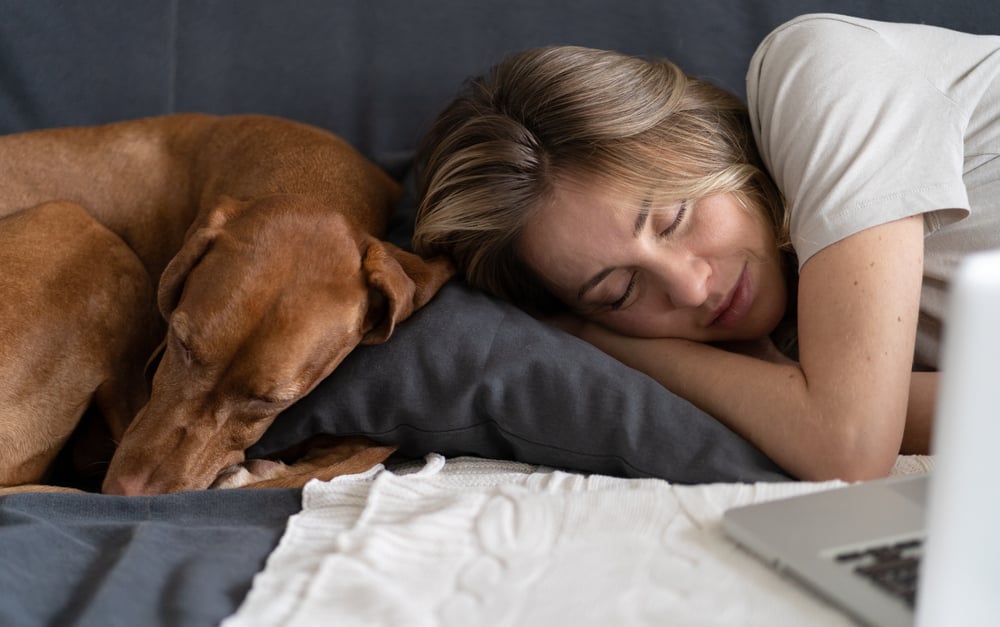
(618, 304)
(263, 404)
(676, 222)
(268, 400)
(185, 350)
(280, 395)
(180, 335)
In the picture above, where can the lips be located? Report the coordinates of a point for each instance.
(737, 303)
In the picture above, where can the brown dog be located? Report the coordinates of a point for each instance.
(262, 237)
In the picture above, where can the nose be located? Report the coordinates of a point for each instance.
(685, 279)
(125, 486)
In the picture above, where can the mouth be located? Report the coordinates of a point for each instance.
(736, 305)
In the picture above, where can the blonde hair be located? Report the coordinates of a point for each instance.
(491, 158)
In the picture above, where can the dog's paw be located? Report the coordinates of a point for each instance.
(250, 471)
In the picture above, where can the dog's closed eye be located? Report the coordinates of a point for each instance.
(180, 335)
(273, 398)
(188, 355)
(264, 400)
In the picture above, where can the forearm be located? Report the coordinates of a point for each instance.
(842, 410)
(920, 413)
(769, 404)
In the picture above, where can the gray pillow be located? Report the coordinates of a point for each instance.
(469, 375)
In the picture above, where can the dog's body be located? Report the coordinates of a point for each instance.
(259, 237)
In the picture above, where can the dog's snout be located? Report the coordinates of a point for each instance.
(153, 459)
(125, 486)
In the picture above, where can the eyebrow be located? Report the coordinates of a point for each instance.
(640, 222)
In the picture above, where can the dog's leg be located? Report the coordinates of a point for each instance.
(327, 457)
(76, 299)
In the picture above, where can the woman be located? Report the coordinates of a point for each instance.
(635, 198)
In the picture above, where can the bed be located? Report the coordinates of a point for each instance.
(537, 481)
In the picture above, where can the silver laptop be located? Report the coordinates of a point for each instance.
(921, 549)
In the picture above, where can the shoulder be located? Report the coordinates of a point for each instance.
(853, 126)
(816, 33)
(809, 77)
(813, 48)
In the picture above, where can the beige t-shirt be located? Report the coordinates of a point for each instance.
(863, 122)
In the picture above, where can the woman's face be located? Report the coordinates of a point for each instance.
(705, 270)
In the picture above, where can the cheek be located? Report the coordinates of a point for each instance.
(776, 299)
(727, 226)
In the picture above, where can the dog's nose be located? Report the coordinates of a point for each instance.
(124, 486)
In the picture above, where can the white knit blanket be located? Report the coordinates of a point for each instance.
(479, 542)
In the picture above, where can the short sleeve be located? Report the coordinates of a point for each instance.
(855, 130)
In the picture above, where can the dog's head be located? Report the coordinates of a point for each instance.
(263, 301)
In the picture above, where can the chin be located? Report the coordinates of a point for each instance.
(768, 324)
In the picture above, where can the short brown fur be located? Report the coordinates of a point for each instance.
(247, 248)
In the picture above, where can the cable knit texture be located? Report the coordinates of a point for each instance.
(480, 542)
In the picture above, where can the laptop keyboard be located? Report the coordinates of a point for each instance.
(892, 567)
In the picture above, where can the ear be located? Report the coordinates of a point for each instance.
(400, 283)
(199, 238)
(176, 272)
(154, 361)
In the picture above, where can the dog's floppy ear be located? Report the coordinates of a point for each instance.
(154, 361)
(196, 244)
(399, 283)
(176, 272)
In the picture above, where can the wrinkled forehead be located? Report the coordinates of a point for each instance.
(268, 328)
(288, 223)
(582, 208)
(283, 259)
(579, 232)
(287, 267)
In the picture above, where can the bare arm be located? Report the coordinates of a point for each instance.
(842, 411)
(920, 413)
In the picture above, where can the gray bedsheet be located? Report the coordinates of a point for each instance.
(185, 559)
